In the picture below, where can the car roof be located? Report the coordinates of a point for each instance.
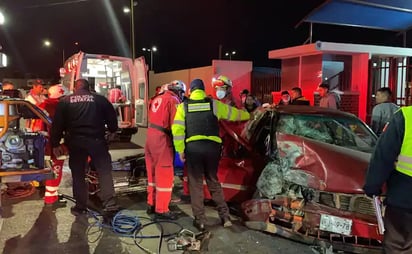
(303, 109)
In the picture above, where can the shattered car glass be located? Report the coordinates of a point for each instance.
(341, 131)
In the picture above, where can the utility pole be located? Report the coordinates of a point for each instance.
(132, 28)
(220, 51)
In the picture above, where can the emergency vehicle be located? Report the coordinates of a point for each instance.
(122, 80)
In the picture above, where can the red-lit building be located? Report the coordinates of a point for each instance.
(356, 70)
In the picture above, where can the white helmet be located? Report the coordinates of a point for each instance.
(178, 87)
(57, 91)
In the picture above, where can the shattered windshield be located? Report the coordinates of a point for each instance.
(347, 132)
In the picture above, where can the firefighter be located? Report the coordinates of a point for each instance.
(82, 117)
(391, 163)
(159, 153)
(223, 86)
(196, 138)
(51, 197)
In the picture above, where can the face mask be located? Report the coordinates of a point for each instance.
(220, 94)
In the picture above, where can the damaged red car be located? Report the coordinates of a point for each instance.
(298, 172)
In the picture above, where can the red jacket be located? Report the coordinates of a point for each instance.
(50, 106)
(162, 110)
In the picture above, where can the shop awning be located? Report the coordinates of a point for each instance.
(391, 15)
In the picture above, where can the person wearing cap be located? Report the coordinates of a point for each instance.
(159, 153)
(196, 138)
(36, 95)
(51, 197)
(327, 99)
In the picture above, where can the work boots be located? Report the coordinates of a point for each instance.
(150, 209)
(77, 211)
(199, 224)
(166, 216)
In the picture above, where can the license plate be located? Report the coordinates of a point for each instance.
(335, 224)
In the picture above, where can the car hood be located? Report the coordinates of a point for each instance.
(328, 167)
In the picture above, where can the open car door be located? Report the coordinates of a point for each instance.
(140, 91)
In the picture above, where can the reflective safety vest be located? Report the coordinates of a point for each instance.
(200, 119)
(404, 163)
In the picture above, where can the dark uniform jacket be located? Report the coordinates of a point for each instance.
(83, 114)
(300, 101)
(382, 169)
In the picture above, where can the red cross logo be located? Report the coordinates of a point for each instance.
(156, 104)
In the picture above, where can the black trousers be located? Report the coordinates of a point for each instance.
(80, 148)
(398, 231)
(202, 158)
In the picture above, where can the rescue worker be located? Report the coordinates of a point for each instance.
(391, 163)
(196, 138)
(383, 110)
(36, 95)
(51, 197)
(116, 95)
(223, 86)
(159, 153)
(82, 117)
(297, 98)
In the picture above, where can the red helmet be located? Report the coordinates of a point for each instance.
(222, 81)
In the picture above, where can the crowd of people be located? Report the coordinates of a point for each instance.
(187, 121)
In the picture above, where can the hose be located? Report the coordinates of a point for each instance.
(126, 224)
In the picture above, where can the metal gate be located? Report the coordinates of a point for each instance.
(391, 72)
(264, 82)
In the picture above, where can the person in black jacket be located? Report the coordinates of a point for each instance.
(297, 97)
(382, 169)
(81, 118)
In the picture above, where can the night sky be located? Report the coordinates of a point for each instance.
(187, 33)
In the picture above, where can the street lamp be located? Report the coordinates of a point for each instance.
(151, 50)
(2, 20)
(48, 44)
(230, 54)
(131, 11)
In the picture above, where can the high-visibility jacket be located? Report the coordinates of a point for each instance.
(404, 163)
(220, 110)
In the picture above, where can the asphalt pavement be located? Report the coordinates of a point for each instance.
(29, 227)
